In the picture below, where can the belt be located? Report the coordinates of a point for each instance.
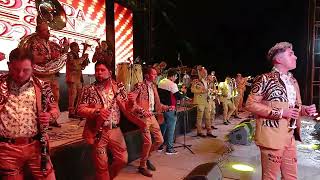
(19, 140)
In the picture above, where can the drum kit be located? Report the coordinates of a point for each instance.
(129, 74)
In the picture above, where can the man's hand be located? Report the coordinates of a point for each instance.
(291, 113)
(105, 113)
(132, 97)
(311, 110)
(171, 108)
(44, 118)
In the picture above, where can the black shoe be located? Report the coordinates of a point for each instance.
(144, 172)
(225, 123)
(161, 147)
(211, 135)
(55, 124)
(150, 166)
(201, 135)
(171, 152)
(228, 122)
(212, 127)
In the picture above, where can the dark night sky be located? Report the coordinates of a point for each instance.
(229, 36)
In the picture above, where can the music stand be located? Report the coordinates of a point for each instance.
(185, 122)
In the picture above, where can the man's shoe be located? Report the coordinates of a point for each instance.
(225, 123)
(228, 122)
(171, 152)
(144, 172)
(212, 127)
(211, 135)
(55, 124)
(160, 149)
(150, 166)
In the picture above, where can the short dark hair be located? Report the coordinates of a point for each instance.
(102, 63)
(171, 72)
(73, 44)
(19, 54)
(147, 70)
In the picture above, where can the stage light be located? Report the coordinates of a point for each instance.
(310, 146)
(242, 167)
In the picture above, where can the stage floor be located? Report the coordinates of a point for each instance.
(176, 167)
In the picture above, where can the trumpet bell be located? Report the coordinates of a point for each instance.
(52, 12)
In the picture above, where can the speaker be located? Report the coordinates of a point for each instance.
(242, 134)
(207, 171)
(317, 127)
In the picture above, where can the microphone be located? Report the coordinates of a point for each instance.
(293, 122)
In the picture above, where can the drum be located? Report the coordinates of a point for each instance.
(129, 75)
(123, 74)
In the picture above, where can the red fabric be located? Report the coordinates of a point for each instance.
(173, 100)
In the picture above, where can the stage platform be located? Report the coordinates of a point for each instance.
(71, 156)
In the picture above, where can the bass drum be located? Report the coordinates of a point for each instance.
(129, 75)
(123, 74)
(136, 75)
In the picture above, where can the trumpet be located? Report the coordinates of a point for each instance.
(84, 54)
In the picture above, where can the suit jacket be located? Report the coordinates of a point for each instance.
(44, 97)
(141, 91)
(199, 96)
(268, 96)
(73, 68)
(91, 101)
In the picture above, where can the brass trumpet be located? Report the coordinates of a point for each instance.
(86, 61)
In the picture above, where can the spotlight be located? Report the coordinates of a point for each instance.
(242, 167)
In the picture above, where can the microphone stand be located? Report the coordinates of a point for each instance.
(185, 123)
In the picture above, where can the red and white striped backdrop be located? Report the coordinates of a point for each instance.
(123, 18)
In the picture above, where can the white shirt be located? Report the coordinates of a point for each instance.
(151, 96)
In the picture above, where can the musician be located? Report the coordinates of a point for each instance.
(169, 94)
(74, 67)
(100, 103)
(275, 100)
(199, 88)
(103, 53)
(26, 103)
(212, 96)
(226, 93)
(241, 87)
(41, 52)
(145, 94)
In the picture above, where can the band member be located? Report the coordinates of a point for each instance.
(27, 105)
(100, 104)
(103, 53)
(275, 100)
(169, 94)
(41, 49)
(212, 95)
(74, 67)
(226, 92)
(241, 88)
(145, 94)
(199, 88)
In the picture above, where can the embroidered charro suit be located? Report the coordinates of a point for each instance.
(94, 98)
(204, 108)
(14, 156)
(152, 127)
(276, 141)
(226, 95)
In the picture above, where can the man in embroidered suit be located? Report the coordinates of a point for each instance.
(42, 52)
(199, 88)
(145, 95)
(74, 68)
(26, 104)
(226, 93)
(275, 100)
(241, 87)
(101, 103)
